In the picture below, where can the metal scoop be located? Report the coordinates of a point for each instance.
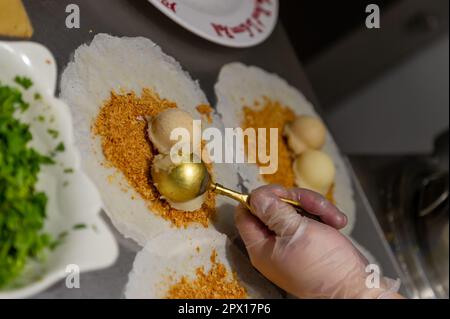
(188, 180)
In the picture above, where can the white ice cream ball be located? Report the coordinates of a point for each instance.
(314, 170)
(305, 132)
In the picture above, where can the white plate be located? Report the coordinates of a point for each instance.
(75, 202)
(234, 23)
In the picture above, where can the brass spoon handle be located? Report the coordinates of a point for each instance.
(244, 199)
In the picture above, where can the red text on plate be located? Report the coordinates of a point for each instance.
(253, 23)
(171, 5)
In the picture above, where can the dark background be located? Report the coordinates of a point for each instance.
(383, 91)
(313, 26)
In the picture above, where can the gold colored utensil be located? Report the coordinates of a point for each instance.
(188, 180)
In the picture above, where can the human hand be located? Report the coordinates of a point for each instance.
(306, 258)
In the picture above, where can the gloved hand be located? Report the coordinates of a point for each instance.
(302, 256)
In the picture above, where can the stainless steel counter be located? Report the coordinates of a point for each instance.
(203, 60)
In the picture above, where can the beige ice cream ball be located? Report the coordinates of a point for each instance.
(314, 170)
(164, 123)
(305, 132)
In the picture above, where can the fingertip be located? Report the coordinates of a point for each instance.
(341, 220)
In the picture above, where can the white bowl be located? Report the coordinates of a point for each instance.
(72, 198)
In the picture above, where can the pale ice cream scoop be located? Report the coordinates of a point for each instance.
(314, 170)
(305, 132)
(163, 124)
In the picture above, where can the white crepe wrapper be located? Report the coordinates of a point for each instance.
(112, 63)
(169, 256)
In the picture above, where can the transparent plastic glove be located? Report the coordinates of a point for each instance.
(304, 257)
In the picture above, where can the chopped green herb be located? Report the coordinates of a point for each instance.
(63, 235)
(24, 107)
(53, 133)
(41, 118)
(79, 226)
(65, 184)
(60, 147)
(59, 240)
(37, 96)
(68, 170)
(23, 81)
(54, 244)
(47, 160)
(22, 207)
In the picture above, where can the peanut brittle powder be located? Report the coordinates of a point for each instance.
(214, 284)
(206, 110)
(273, 115)
(122, 126)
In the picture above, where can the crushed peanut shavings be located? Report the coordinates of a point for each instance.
(271, 114)
(206, 110)
(122, 127)
(214, 284)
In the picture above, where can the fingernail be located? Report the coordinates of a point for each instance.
(344, 218)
